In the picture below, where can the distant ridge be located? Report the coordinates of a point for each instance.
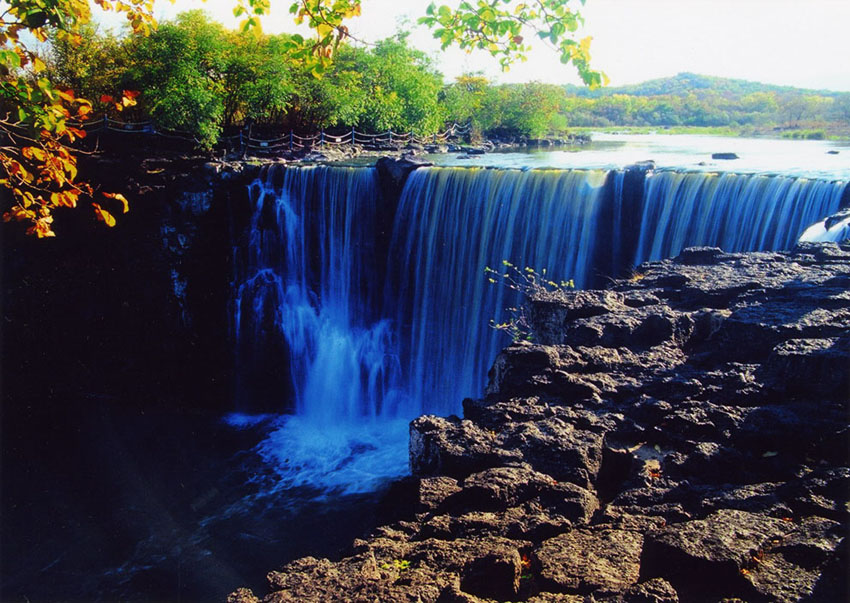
(683, 84)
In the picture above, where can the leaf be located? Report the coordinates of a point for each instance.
(121, 198)
(103, 215)
(34, 153)
(10, 57)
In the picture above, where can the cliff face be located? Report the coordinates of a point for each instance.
(682, 435)
(137, 312)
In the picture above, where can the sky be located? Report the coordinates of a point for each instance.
(802, 43)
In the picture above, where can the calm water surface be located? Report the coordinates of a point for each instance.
(810, 158)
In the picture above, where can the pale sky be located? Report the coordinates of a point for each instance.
(803, 43)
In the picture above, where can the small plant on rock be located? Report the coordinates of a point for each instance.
(532, 284)
(399, 565)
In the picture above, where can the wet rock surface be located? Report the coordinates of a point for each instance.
(681, 436)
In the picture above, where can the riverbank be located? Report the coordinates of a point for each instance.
(817, 132)
(681, 435)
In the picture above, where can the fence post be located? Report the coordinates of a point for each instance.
(322, 139)
(391, 136)
(435, 138)
(105, 122)
(290, 141)
(353, 140)
(241, 144)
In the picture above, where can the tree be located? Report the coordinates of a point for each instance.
(38, 167)
(338, 97)
(796, 108)
(180, 68)
(841, 108)
(464, 99)
(90, 64)
(258, 81)
(402, 89)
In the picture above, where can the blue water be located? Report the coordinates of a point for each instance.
(451, 224)
(732, 211)
(309, 275)
(383, 313)
(809, 158)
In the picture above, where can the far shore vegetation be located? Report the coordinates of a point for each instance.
(194, 75)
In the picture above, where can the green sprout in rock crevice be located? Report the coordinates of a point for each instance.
(531, 283)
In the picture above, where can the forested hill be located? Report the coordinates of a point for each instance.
(684, 84)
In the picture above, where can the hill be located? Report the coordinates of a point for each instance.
(684, 84)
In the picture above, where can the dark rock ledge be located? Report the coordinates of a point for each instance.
(681, 436)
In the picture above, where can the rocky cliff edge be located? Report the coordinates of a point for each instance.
(679, 436)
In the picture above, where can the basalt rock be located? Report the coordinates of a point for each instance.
(394, 172)
(680, 436)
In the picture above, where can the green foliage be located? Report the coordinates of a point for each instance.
(464, 99)
(197, 77)
(399, 565)
(684, 84)
(92, 64)
(402, 89)
(258, 84)
(390, 86)
(526, 109)
(690, 100)
(179, 70)
(841, 108)
(500, 27)
(337, 98)
(805, 135)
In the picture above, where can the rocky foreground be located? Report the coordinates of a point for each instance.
(680, 436)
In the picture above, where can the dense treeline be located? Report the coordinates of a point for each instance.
(673, 102)
(195, 75)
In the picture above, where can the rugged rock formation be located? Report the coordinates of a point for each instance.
(394, 172)
(682, 435)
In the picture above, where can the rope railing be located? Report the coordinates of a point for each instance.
(290, 141)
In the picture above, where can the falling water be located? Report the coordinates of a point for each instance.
(364, 314)
(310, 278)
(735, 212)
(450, 225)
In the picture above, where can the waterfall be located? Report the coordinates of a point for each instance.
(450, 225)
(356, 313)
(736, 212)
(308, 289)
